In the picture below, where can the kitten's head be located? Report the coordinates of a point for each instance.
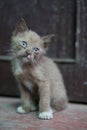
(27, 45)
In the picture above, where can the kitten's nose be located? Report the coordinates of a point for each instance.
(28, 52)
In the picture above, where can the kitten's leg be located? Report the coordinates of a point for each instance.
(59, 100)
(25, 98)
(59, 104)
(33, 107)
(45, 111)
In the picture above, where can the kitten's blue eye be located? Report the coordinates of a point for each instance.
(23, 44)
(36, 50)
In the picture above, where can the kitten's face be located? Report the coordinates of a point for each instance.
(27, 45)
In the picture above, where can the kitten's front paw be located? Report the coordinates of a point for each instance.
(33, 107)
(21, 110)
(18, 72)
(46, 115)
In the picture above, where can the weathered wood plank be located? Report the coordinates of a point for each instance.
(66, 19)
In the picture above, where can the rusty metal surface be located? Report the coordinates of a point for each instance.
(73, 118)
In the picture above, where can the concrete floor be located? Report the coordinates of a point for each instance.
(73, 118)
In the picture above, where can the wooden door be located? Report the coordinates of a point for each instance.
(67, 20)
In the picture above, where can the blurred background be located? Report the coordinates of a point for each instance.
(67, 19)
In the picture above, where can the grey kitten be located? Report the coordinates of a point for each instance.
(39, 79)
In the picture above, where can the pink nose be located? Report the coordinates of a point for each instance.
(29, 56)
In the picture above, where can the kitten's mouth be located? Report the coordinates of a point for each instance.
(29, 57)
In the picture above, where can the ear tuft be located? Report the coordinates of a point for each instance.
(48, 39)
(21, 27)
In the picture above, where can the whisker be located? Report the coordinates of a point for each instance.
(8, 50)
(35, 61)
(32, 62)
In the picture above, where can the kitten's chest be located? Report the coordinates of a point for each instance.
(34, 74)
(21, 71)
(27, 72)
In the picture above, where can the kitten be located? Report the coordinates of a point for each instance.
(40, 81)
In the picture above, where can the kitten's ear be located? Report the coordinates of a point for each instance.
(21, 27)
(47, 39)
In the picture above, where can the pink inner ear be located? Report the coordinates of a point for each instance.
(21, 27)
(47, 39)
(45, 45)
